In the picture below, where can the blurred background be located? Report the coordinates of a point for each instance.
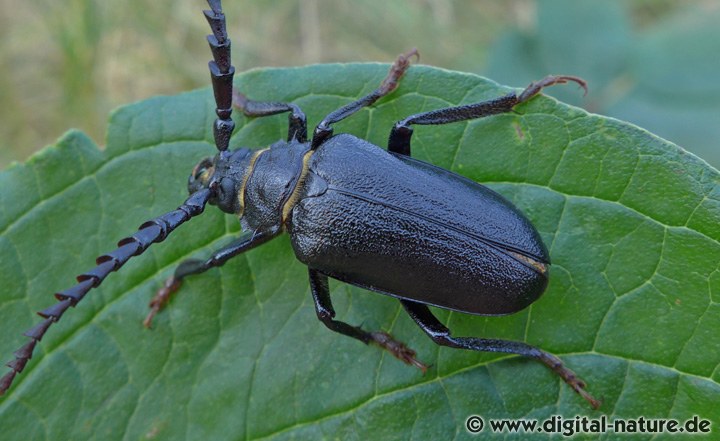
(68, 63)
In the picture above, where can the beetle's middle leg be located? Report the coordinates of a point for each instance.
(324, 130)
(326, 314)
(197, 266)
(399, 141)
(422, 315)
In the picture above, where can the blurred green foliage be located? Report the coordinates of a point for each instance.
(69, 63)
(662, 76)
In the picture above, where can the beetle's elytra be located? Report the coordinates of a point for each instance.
(355, 212)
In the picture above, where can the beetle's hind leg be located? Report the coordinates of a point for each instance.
(297, 122)
(399, 141)
(422, 315)
(326, 314)
(197, 266)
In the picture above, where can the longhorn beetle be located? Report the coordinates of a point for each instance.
(357, 213)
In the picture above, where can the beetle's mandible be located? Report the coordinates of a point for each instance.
(355, 212)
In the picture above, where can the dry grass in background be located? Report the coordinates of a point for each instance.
(69, 63)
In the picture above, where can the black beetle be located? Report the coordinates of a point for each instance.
(376, 219)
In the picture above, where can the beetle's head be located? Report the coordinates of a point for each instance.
(224, 174)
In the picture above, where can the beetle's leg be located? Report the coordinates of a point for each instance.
(441, 335)
(326, 314)
(401, 133)
(297, 122)
(324, 130)
(197, 266)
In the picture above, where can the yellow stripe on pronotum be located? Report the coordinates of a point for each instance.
(241, 191)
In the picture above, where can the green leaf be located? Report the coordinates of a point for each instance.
(660, 77)
(631, 222)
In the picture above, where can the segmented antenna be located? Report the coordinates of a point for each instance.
(152, 231)
(221, 73)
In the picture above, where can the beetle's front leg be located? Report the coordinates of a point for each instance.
(297, 122)
(421, 314)
(324, 130)
(196, 266)
(325, 312)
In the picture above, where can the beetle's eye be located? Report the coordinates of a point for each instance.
(202, 169)
(200, 175)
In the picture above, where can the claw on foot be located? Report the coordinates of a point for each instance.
(570, 378)
(161, 298)
(397, 70)
(397, 349)
(536, 86)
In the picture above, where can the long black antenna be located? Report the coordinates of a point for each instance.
(155, 230)
(221, 73)
(152, 231)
